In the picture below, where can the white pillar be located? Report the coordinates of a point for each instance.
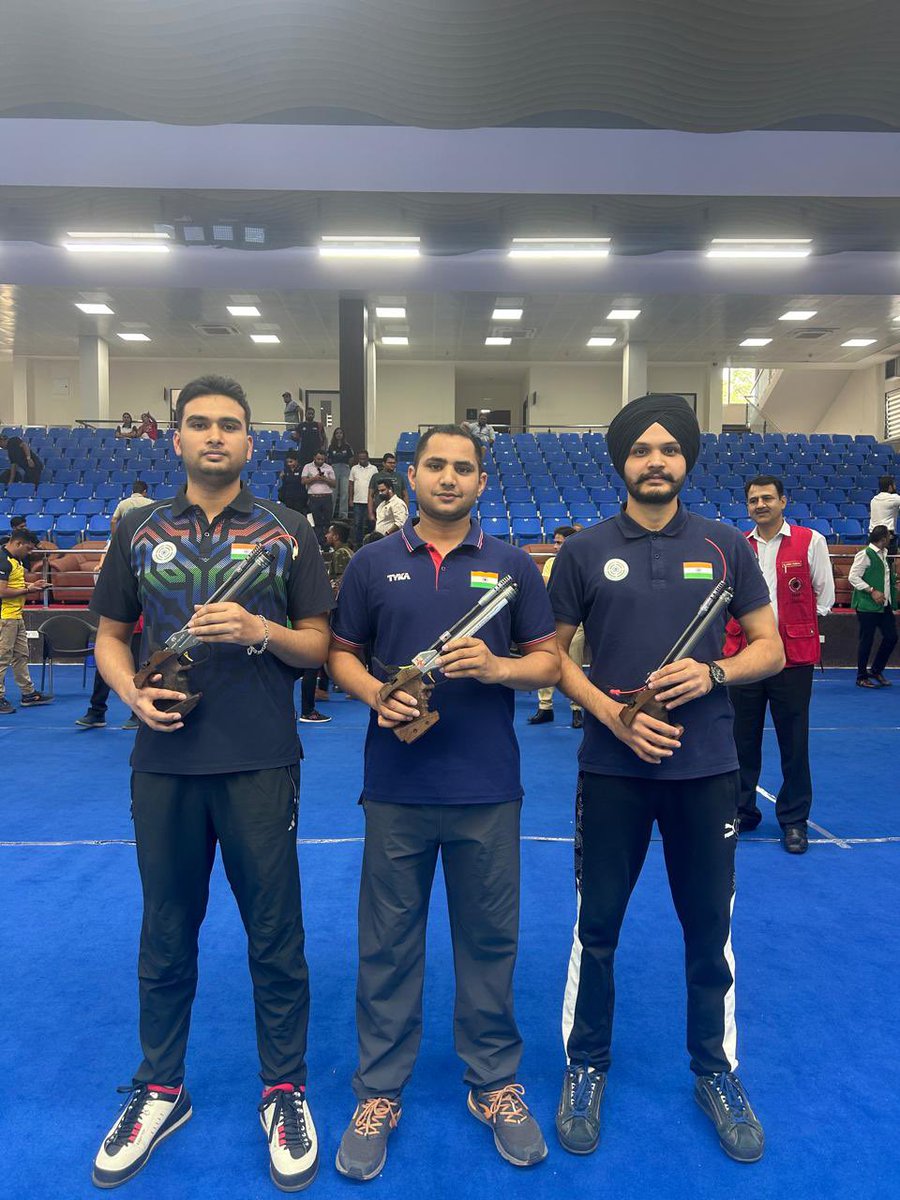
(7, 391)
(713, 414)
(371, 398)
(22, 391)
(93, 353)
(634, 371)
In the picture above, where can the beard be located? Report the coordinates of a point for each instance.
(644, 494)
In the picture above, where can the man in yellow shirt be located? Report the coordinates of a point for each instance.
(13, 638)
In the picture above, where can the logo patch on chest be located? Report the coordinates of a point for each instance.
(615, 569)
(164, 552)
(698, 570)
(399, 577)
(484, 579)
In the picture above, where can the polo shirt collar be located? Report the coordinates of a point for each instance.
(784, 531)
(242, 503)
(412, 541)
(630, 529)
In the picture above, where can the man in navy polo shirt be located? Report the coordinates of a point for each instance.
(225, 774)
(635, 582)
(442, 793)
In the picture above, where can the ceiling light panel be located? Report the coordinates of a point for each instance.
(556, 247)
(858, 343)
(798, 314)
(395, 340)
(155, 235)
(134, 337)
(243, 310)
(265, 339)
(756, 341)
(623, 314)
(507, 314)
(773, 248)
(96, 310)
(390, 312)
(498, 341)
(601, 341)
(363, 246)
(136, 247)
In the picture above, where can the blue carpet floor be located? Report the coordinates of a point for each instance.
(815, 941)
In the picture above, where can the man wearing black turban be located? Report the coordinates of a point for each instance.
(635, 582)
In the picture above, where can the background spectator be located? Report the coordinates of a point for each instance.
(291, 410)
(309, 436)
(389, 474)
(883, 509)
(318, 479)
(137, 499)
(359, 482)
(391, 514)
(148, 427)
(544, 712)
(874, 598)
(126, 427)
(24, 463)
(291, 491)
(340, 456)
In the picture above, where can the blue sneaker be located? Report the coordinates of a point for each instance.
(723, 1099)
(578, 1115)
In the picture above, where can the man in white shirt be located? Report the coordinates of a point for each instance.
(137, 499)
(883, 508)
(482, 430)
(874, 599)
(319, 480)
(359, 482)
(797, 569)
(391, 513)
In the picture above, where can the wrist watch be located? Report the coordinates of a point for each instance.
(716, 674)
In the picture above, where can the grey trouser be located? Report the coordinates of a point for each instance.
(479, 847)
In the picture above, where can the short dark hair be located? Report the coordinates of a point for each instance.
(28, 536)
(564, 530)
(385, 483)
(211, 385)
(342, 529)
(885, 482)
(139, 486)
(450, 431)
(372, 537)
(877, 532)
(295, 454)
(764, 481)
(389, 454)
(18, 522)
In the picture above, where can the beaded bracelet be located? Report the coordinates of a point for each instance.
(265, 642)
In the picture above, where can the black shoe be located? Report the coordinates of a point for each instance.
(5, 707)
(796, 839)
(747, 822)
(880, 679)
(313, 718)
(725, 1102)
(541, 717)
(578, 1115)
(33, 699)
(150, 1115)
(866, 683)
(578, 718)
(291, 1134)
(92, 720)
(517, 1135)
(131, 723)
(363, 1149)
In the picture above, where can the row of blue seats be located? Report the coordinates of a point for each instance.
(525, 530)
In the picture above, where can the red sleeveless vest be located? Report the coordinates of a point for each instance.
(797, 619)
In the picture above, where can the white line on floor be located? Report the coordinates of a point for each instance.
(827, 840)
(831, 837)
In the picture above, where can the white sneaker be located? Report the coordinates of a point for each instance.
(150, 1115)
(291, 1134)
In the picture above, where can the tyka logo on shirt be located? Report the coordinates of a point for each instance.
(399, 577)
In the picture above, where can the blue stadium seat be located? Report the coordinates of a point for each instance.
(855, 512)
(68, 531)
(79, 491)
(705, 510)
(521, 511)
(20, 491)
(98, 526)
(579, 510)
(497, 527)
(517, 495)
(800, 512)
(827, 511)
(526, 530)
(551, 524)
(692, 495)
(57, 508)
(820, 526)
(49, 491)
(109, 491)
(606, 511)
(588, 521)
(89, 507)
(732, 512)
(848, 530)
(552, 508)
(546, 495)
(26, 508)
(491, 510)
(574, 495)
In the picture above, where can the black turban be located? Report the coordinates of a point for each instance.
(672, 412)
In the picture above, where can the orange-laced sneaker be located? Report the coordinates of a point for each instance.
(363, 1149)
(517, 1135)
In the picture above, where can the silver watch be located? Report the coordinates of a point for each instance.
(716, 674)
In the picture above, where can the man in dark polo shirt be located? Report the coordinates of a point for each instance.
(387, 474)
(635, 582)
(443, 794)
(227, 773)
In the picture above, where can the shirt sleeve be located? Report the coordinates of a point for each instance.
(116, 593)
(856, 572)
(821, 574)
(5, 565)
(351, 621)
(309, 588)
(532, 616)
(566, 587)
(746, 579)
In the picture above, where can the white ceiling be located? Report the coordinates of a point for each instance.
(44, 322)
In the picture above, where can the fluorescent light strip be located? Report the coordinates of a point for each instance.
(507, 314)
(265, 339)
(858, 343)
(96, 310)
(498, 341)
(115, 248)
(759, 248)
(756, 341)
(134, 337)
(623, 314)
(395, 340)
(243, 310)
(387, 312)
(601, 341)
(798, 314)
(560, 247)
(114, 235)
(369, 252)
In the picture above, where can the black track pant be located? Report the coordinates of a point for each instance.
(787, 695)
(178, 820)
(869, 622)
(100, 693)
(614, 819)
(479, 848)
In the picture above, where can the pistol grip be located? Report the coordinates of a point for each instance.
(173, 678)
(645, 701)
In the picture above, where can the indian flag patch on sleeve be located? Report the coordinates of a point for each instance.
(484, 579)
(241, 550)
(698, 570)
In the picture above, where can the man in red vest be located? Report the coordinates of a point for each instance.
(797, 570)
